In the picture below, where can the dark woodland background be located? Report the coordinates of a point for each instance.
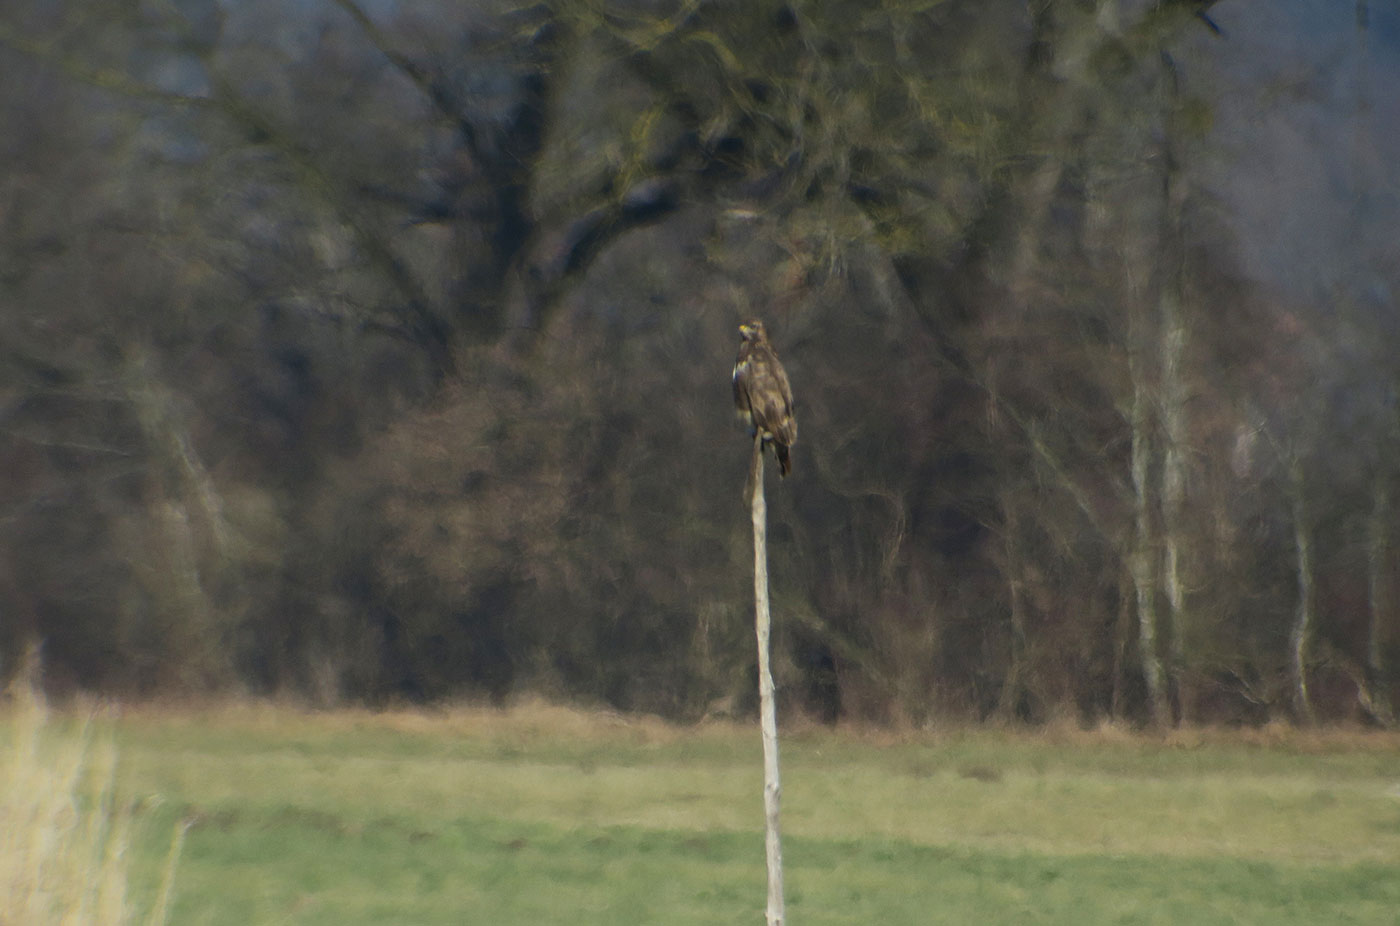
(376, 351)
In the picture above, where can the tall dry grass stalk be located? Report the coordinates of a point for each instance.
(64, 835)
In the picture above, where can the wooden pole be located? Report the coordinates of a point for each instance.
(768, 712)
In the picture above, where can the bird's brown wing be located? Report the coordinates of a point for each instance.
(770, 395)
(786, 421)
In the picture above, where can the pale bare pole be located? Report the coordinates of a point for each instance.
(768, 712)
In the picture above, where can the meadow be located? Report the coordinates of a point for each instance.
(541, 815)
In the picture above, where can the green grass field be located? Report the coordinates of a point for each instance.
(541, 815)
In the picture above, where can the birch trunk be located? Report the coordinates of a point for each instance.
(1378, 584)
(768, 712)
(1173, 346)
(1172, 338)
(1305, 617)
(1374, 690)
(1140, 562)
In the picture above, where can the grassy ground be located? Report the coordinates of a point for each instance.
(540, 816)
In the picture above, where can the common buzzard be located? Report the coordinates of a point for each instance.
(762, 393)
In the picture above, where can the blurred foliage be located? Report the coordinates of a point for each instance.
(376, 351)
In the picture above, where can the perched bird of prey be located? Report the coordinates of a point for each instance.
(763, 395)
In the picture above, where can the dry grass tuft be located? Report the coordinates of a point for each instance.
(64, 836)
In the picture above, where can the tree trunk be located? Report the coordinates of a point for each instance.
(1012, 687)
(1172, 337)
(1305, 617)
(1173, 492)
(768, 712)
(1122, 636)
(1375, 688)
(1173, 411)
(1375, 693)
(1140, 562)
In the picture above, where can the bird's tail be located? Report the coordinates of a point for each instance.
(784, 460)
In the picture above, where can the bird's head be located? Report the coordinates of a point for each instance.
(752, 330)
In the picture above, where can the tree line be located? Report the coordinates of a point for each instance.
(372, 352)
